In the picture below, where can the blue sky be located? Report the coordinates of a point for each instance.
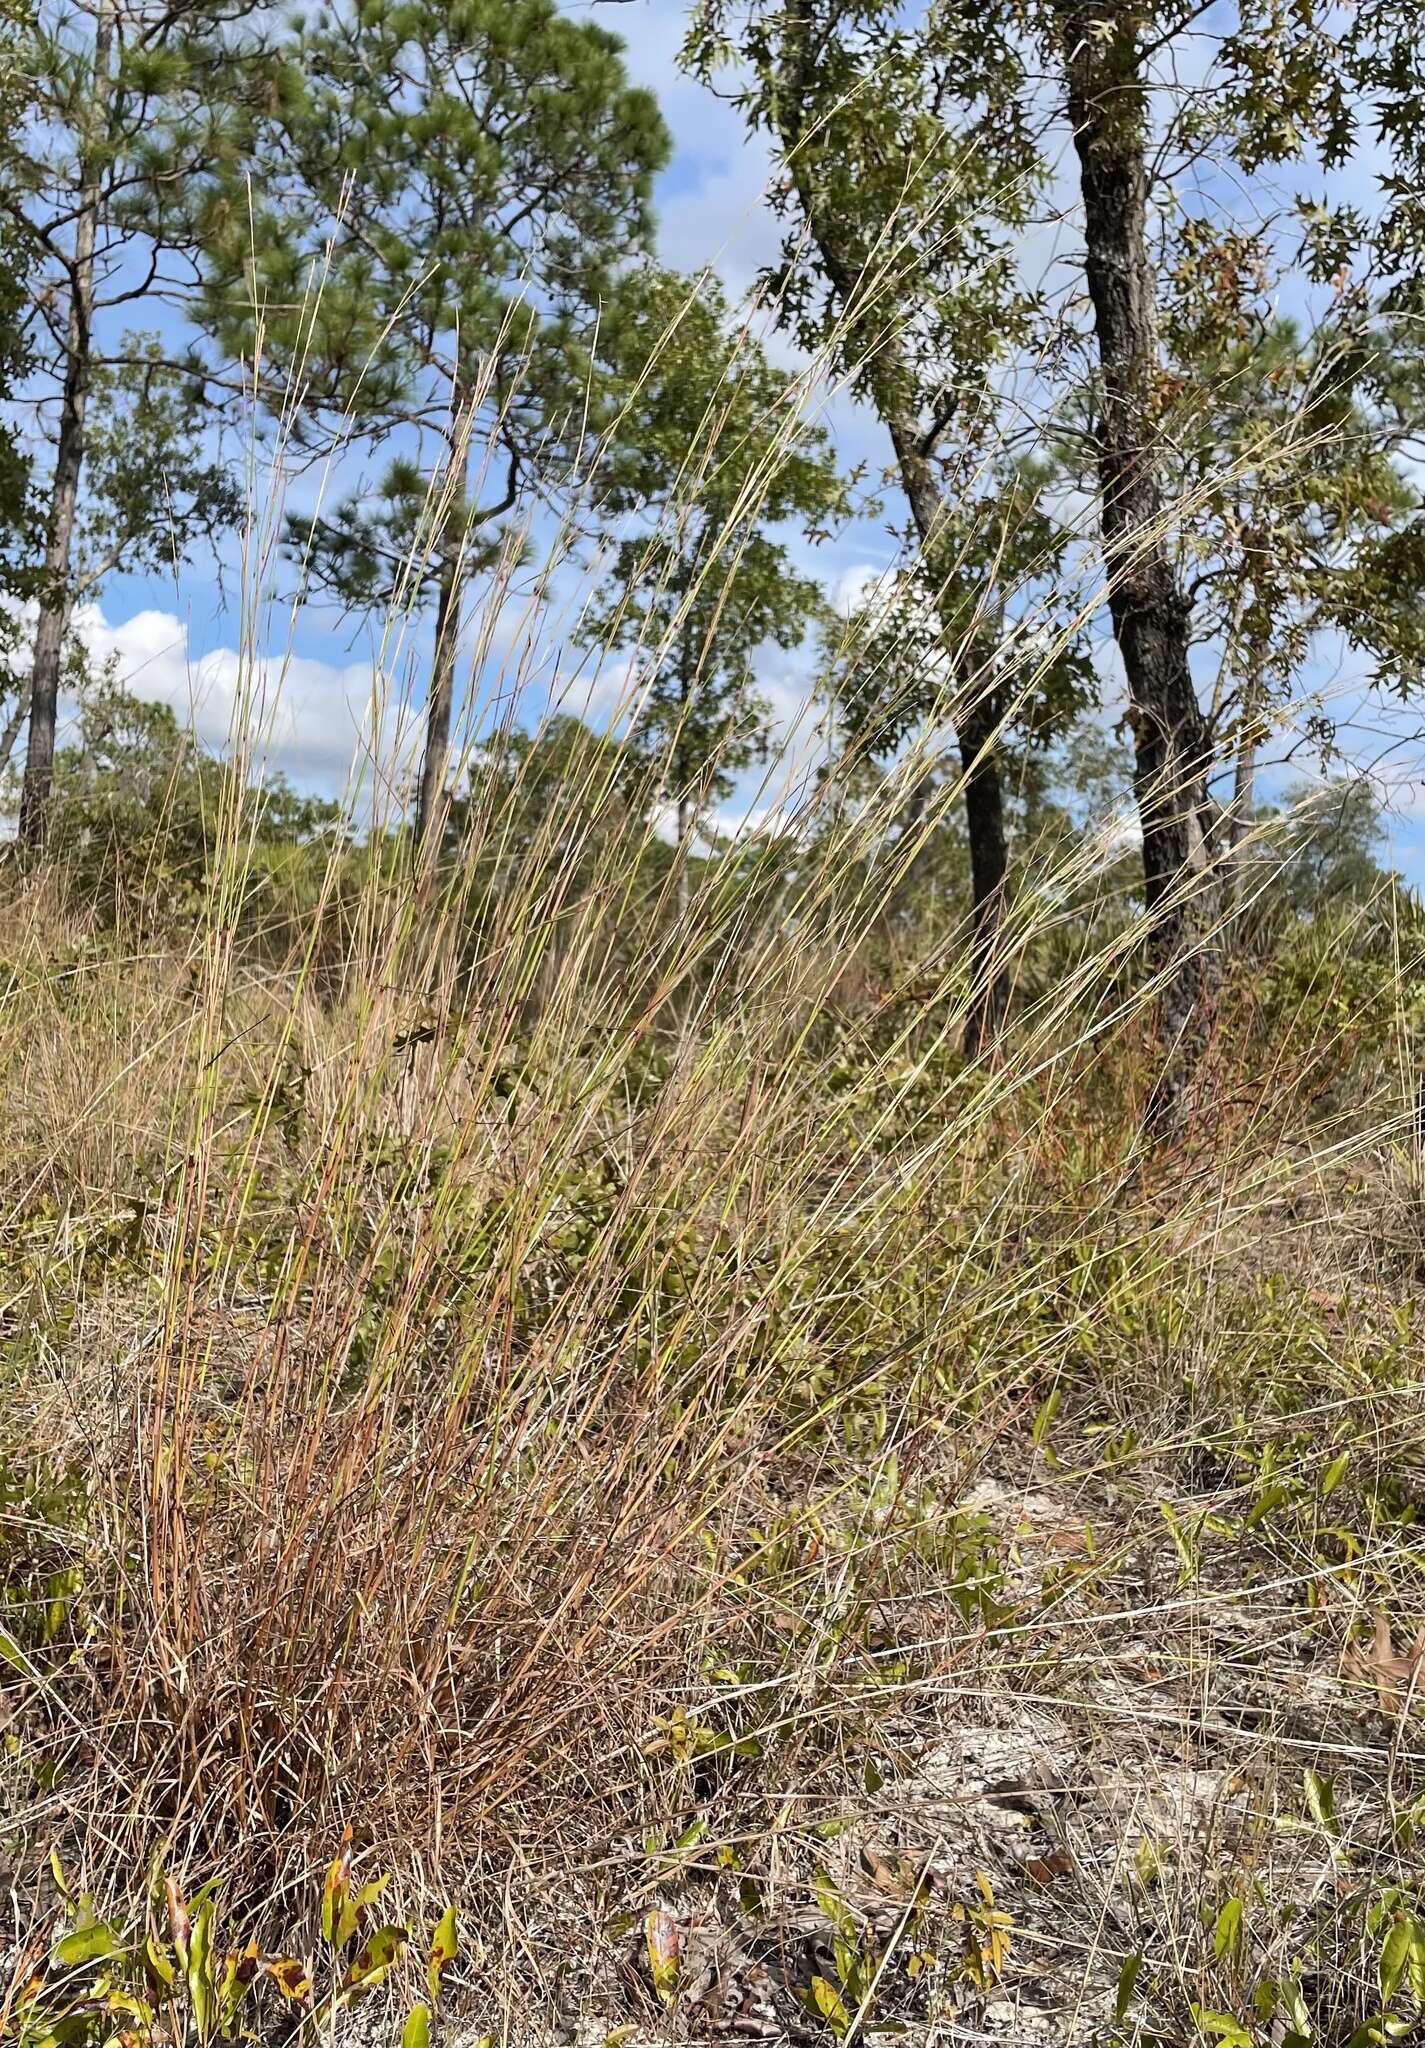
(176, 636)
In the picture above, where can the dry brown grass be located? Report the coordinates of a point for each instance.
(464, 1383)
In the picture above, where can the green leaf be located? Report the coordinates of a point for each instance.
(87, 1945)
(1227, 1934)
(1321, 1801)
(834, 1906)
(202, 1991)
(1127, 1985)
(1221, 2026)
(1335, 1472)
(1271, 1499)
(1044, 1420)
(159, 1961)
(416, 2032)
(1292, 2006)
(1395, 1954)
(1415, 1967)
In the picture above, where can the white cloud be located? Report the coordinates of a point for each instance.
(712, 208)
(310, 719)
(858, 584)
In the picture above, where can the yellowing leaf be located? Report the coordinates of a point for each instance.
(334, 1887)
(1394, 1955)
(375, 1958)
(664, 1944)
(444, 1946)
(289, 1976)
(831, 2006)
(1222, 2027)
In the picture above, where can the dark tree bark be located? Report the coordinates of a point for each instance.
(1151, 615)
(453, 574)
(977, 724)
(977, 731)
(440, 697)
(55, 590)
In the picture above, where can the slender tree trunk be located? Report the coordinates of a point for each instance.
(977, 731)
(1151, 616)
(13, 724)
(440, 695)
(989, 866)
(1244, 801)
(977, 725)
(678, 765)
(53, 622)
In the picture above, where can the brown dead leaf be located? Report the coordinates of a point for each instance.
(1394, 1673)
(880, 1872)
(900, 1879)
(1044, 1869)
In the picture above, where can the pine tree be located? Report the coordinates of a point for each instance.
(134, 107)
(462, 182)
(18, 531)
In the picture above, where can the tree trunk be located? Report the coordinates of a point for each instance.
(1107, 108)
(440, 696)
(1244, 800)
(18, 713)
(977, 732)
(55, 597)
(977, 725)
(989, 866)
